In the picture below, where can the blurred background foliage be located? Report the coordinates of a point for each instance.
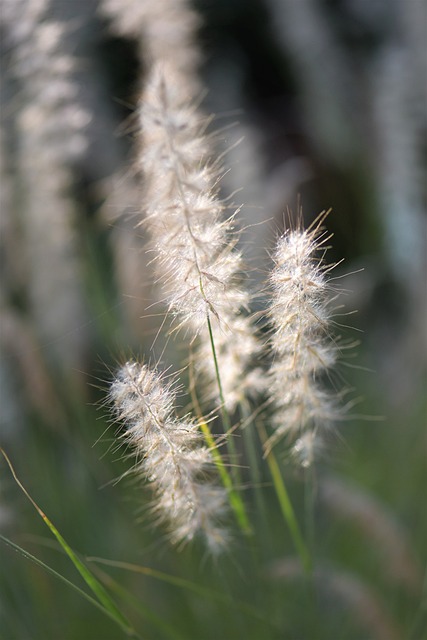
(328, 102)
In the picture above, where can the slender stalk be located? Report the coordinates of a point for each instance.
(254, 464)
(212, 595)
(235, 500)
(286, 506)
(28, 556)
(309, 503)
(224, 413)
(104, 598)
(168, 630)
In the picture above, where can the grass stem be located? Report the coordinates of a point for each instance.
(286, 506)
(234, 497)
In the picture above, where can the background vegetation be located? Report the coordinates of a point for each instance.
(330, 111)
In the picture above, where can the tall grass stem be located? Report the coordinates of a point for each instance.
(286, 507)
(234, 497)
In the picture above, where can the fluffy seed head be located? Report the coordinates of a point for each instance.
(171, 456)
(300, 341)
(196, 259)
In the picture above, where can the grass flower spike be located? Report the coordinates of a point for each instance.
(302, 347)
(196, 257)
(170, 456)
(196, 261)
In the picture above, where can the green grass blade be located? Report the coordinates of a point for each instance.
(182, 583)
(288, 512)
(87, 576)
(234, 497)
(144, 611)
(286, 507)
(83, 594)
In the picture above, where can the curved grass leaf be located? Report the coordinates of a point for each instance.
(107, 603)
(26, 554)
(187, 585)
